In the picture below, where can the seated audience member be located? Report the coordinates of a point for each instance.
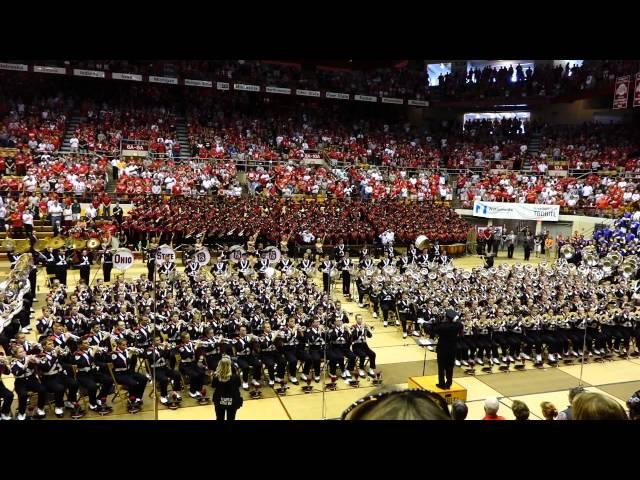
(520, 410)
(491, 406)
(459, 410)
(567, 414)
(596, 406)
(633, 404)
(549, 410)
(399, 405)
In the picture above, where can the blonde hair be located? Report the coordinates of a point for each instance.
(596, 406)
(223, 371)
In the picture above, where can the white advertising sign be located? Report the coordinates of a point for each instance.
(516, 211)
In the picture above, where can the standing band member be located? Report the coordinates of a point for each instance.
(345, 265)
(61, 266)
(107, 265)
(326, 267)
(85, 266)
(448, 333)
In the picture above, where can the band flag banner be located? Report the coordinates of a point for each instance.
(516, 211)
(621, 92)
(636, 94)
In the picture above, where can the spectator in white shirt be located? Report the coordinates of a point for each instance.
(73, 143)
(91, 212)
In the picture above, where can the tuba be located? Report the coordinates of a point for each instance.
(567, 251)
(422, 242)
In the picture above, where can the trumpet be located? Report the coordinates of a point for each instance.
(135, 350)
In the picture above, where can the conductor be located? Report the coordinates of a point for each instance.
(447, 331)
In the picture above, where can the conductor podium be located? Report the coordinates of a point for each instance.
(429, 383)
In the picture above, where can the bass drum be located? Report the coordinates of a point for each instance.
(235, 253)
(273, 254)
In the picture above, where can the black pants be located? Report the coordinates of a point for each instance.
(89, 382)
(212, 361)
(270, 359)
(386, 306)
(28, 229)
(106, 272)
(196, 376)
(315, 358)
(134, 382)
(295, 354)
(249, 362)
(61, 275)
(362, 350)
(23, 386)
(326, 282)
(510, 251)
(375, 303)
(6, 396)
(446, 361)
(85, 273)
(361, 293)
(527, 254)
(57, 384)
(553, 341)
(346, 283)
(163, 376)
(336, 355)
(463, 346)
(229, 411)
(487, 347)
(404, 318)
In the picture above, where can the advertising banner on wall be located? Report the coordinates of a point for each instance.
(621, 92)
(516, 211)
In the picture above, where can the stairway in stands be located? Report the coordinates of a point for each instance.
(182, 137)
(72, 123)
(533, 148)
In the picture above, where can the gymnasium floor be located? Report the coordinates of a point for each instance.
(398, 359)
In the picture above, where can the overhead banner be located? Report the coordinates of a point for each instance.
(88, 73)
(365, 98)
(222, 85)
(418, 103)
(636, 95)
(198, 83)
(307, 93)
(56, 70)
(246, 88)
(621, 92)
(397, 101)
(167, 80)
(338, 95)
(516, 211)
(17, 67)
(282, 91)
(127, 76)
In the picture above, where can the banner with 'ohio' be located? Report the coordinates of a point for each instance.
(516, 211)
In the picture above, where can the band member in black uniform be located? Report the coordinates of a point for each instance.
(191, 270)
(317, 343)
(243, 265)
(189, 367)
(374, 295)
(13, 259)
(448, 333)
(107, 265)
(85, 266)
(487, 347)
(124, 361)
(166, 270)
(407, 313)
(211, 348)
(359, 334)
(49, 261)
(306, 264)
(157, 355)
(270, 356)
(466, 345)
(403, 262)
(326, 267)
(387, 302)
(220, 267)
(151, 263)
(246, 359)
(23, 369)
(294, 342)
(55, 379)
(61, 266)
(6, 395)
(366, 262)
(345, 266)
(362, 290)
(339, 340)
(89, 374)
(339, 251)
(263, 264)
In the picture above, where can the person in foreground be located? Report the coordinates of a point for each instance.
(520, 410)
(399, 404)
(596, 406)
(633, 404)
(491, 406)
(226, 398)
